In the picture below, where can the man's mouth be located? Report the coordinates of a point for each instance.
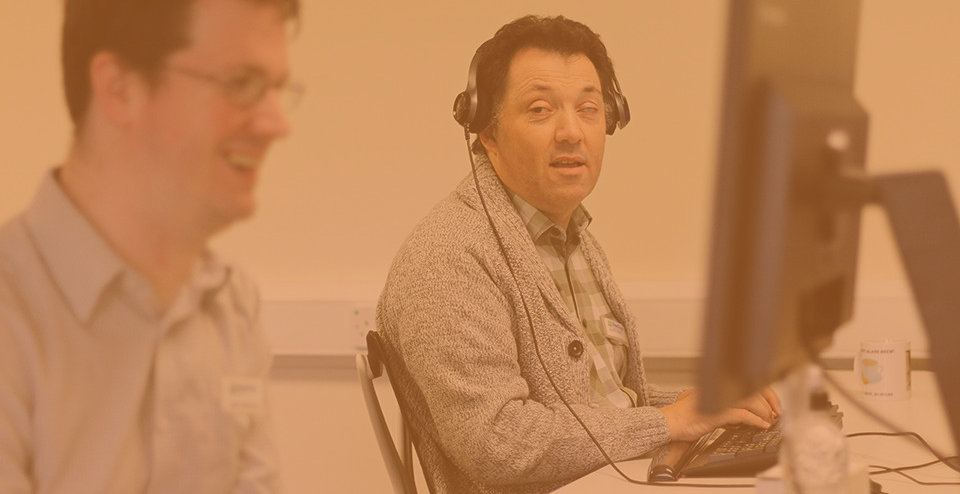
(246, 162)
(567, 162)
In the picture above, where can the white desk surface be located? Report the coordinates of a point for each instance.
(922, 414)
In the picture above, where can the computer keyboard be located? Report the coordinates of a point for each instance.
(733, 452)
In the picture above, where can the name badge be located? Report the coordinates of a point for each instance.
(242, 395)
(614, 331)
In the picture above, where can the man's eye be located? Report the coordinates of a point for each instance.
(244, 85)
(539, 110)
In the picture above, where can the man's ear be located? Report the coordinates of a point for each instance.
(488, 138)
(113, 88)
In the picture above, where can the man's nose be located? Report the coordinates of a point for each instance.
(271, 118)
(569, 127)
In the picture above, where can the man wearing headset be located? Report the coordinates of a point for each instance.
(501, 306)
(131, 358)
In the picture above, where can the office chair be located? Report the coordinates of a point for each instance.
(370, 367)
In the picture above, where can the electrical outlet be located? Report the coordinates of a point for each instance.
(364, 320)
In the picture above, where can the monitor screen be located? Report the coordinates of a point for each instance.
(784, 250)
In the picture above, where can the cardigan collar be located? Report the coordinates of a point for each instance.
(529, 269)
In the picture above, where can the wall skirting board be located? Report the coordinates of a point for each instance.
(324, 326)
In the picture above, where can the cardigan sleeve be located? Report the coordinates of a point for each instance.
(660, 396)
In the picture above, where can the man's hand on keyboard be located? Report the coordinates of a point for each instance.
(687, 424)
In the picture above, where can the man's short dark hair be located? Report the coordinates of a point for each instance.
(552, 34)
(141, 32)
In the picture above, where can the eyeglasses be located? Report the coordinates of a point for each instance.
(246, 90)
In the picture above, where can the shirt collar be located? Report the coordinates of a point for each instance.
(208, 277)
(538, 223)
(80, 261)
(83, 264)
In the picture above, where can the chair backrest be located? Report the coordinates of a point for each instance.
(370, 367)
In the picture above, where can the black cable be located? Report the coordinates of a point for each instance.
(882, 469)
(946, 460)
(536, 347)
(899, 471)
(886, 469)
(941, 458)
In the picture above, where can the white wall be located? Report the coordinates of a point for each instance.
(374, 147)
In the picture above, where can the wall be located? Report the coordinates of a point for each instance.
(374, 147)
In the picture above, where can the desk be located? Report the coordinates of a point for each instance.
(922, 414)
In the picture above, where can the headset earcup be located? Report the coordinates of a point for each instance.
(463, 112)
(622, 117)
(624, 111)
(612, 124)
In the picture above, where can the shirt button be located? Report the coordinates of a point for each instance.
(575, 349)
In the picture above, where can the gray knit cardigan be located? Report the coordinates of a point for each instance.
(484, 415)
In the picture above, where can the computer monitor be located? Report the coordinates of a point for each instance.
(784, 258)
(789, 189)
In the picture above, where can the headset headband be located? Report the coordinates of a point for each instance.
(466, 105)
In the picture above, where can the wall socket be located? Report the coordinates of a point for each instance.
(364, 320)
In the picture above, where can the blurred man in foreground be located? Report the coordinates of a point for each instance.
(131, 357)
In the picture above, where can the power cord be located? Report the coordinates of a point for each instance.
(881, 469)
(950, 461)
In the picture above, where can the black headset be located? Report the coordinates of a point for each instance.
(466, 107)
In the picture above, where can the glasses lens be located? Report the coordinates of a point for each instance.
(246, 90)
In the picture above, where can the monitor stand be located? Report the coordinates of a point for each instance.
(925, 225)
(924, 222)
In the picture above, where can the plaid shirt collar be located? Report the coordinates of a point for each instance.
(539, 224)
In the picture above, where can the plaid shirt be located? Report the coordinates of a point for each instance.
(607, 341)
